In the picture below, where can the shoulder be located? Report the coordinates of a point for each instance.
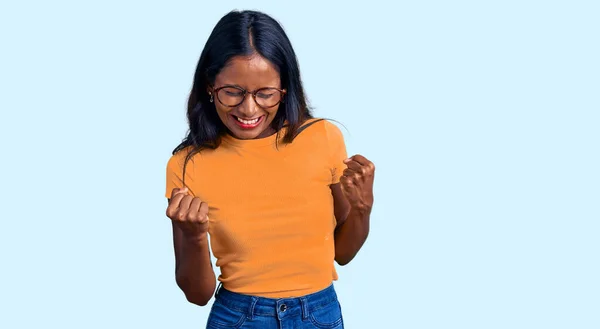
(177, 160)
(321, 136)
(321, 126)
(331, 130)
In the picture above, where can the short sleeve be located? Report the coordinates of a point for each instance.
(174, 177)
(337, 151)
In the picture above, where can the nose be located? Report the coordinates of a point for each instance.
(248, 108)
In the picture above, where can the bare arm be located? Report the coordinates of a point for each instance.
(353, 201)
(352, 229)
(193, 268)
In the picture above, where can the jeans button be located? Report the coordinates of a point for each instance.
(283, 307)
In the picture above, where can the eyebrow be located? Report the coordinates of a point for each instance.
(232, 85)
(238, 86)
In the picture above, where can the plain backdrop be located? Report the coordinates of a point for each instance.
(482, 118)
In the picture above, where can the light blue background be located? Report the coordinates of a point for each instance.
(482, 118)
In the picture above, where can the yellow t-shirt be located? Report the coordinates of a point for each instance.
(270, 209)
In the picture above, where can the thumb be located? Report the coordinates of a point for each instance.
(178, 191)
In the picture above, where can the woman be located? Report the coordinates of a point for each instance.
(270, 185)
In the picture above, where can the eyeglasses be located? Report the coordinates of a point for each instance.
(233, 96)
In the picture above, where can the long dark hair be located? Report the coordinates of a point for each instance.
(243, 33)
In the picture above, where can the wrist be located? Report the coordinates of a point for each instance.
(197, 239)
(361, 209)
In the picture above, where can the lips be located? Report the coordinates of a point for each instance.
(248, 122)
(245, 123)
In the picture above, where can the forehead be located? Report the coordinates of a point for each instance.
(249, 72)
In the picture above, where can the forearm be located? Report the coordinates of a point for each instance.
(194, 272)
(351, 235)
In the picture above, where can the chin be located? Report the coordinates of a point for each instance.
(245, 135)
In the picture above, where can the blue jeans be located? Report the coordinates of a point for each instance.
(317, 310)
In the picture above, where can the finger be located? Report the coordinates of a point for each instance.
(348, 172)
(361, 160)
(184, 207)
(355, 166)
(368, 167)
(177, 191)
(177, 198)
(203, 212)
(347, 186)
(193, 210)
(174, 203)
(346, 182)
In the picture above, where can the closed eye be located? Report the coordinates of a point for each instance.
(265, 95)
(233, 93)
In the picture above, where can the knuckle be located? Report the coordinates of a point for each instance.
(203, 215)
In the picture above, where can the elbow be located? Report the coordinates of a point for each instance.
(344, 255)
(342, 260)
(199, 297)
(342, 263)
(196, 299)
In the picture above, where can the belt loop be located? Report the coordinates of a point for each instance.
(218, 288)
(251, 309)
(304, 304)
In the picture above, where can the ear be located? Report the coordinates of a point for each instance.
(283, 96)
(209, 89)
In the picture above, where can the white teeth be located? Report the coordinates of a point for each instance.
(248, 122)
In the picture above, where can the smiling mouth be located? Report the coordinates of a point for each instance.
(248, 123)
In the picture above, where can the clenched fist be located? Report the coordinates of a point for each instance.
(357, 182)
(188, 213)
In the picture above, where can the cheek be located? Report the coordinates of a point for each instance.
(272, 111)
(223, 111)
(223, 114)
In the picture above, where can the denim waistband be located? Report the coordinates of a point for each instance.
(253, 305)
